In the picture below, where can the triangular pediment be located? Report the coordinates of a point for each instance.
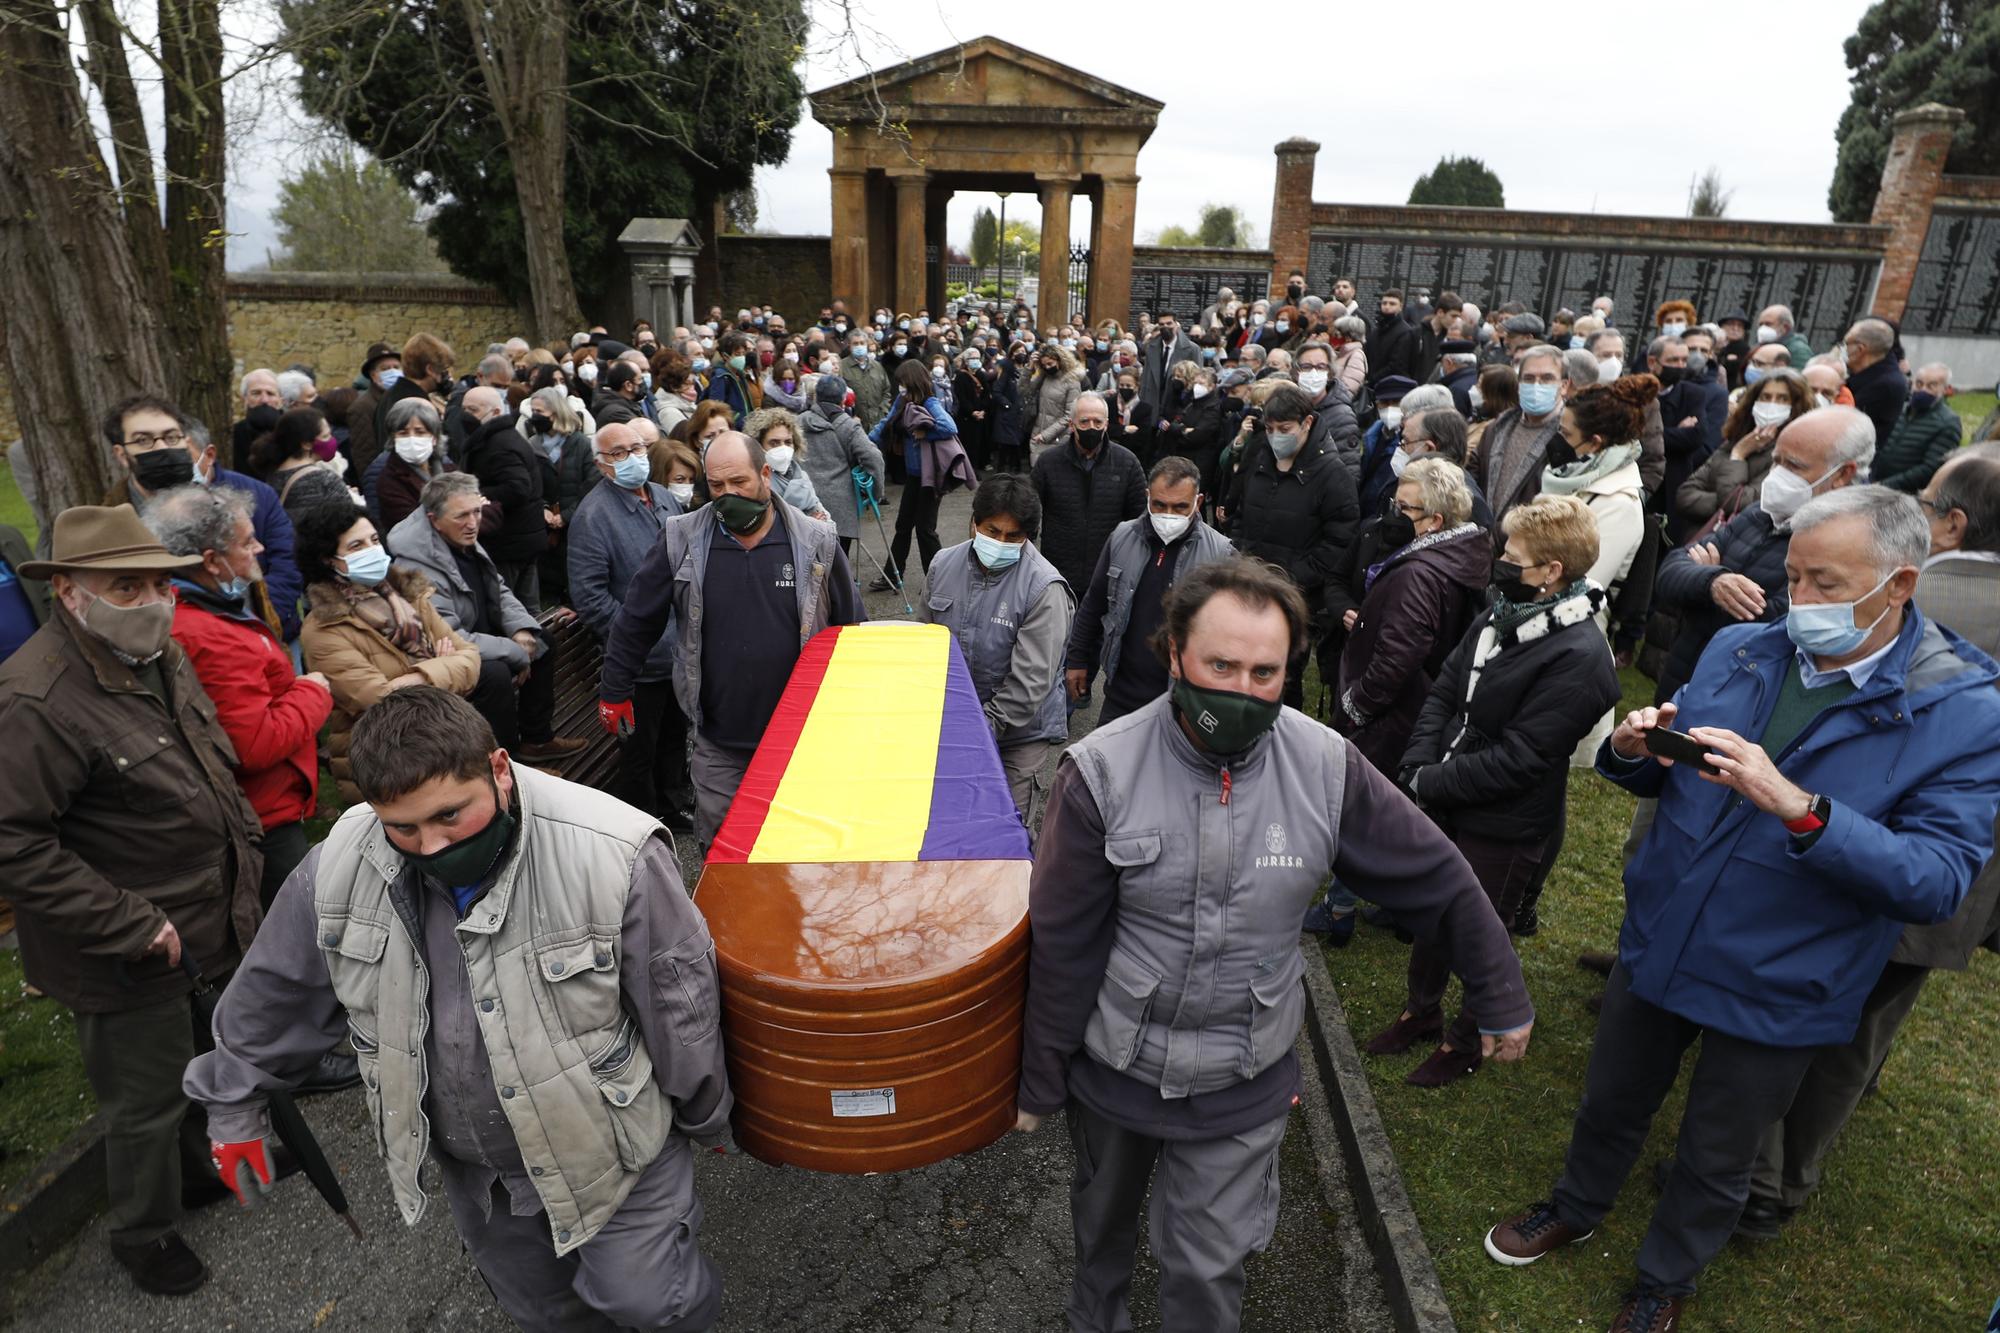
(985, 72)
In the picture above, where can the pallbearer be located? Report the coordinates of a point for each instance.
(1181, 846)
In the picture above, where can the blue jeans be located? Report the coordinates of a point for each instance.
(1340, 900)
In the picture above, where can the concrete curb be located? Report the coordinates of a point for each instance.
(46, 1209)
(1416, 1295)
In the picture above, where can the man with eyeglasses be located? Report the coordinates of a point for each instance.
(614, 528)
(159, 448)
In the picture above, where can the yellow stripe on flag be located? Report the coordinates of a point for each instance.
(853, 792)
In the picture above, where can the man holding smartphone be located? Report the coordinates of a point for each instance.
(1854, 790)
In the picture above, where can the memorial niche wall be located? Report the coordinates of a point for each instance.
(1189, 290)
(1827, 292)
(1956, 287)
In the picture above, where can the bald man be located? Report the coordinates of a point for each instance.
(770, 577)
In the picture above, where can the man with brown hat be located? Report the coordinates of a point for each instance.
(381, 368)
(130, 854)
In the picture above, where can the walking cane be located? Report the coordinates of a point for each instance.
(286, 1122)
(864, 499)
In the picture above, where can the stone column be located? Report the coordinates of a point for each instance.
(910, 219)
(1052, 302)
(850, 235)
(1911, 179)
(1291, 212)
(1111, 251)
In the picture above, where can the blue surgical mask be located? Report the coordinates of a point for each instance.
(699, 363)
(632, 472)
(994, 553)
(1751, 374)
(390, 377)
(1538, 400)
(1827, 629)
(237, 588)
(368, 568)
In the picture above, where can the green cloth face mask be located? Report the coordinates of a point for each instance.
(739, 513)
(467, 861)
(1224, 721)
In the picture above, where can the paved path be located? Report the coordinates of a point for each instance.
(978, 1243)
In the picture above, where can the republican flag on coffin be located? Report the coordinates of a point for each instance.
(877, 751)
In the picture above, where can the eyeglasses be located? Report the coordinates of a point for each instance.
(1933, 508)
(1410, 511)
(615, 456)
(168, 438)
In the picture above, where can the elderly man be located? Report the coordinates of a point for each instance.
(1088, 484)
(1514, 449)
(131, 856)
(155, 444)
(1828, 379)
(1925, 435)
(532, 995)
(1458, 371)
(1796, 837)
(864, 374)
(1873, 378)
(1959, 589)
(381, 367)
(614, 530)
(1762, 360)
(746, 580)
(495, 372)
(297, 389)
(1776, 325)
(1181, 847)
(262, 400)
(511, 476)
(440, 540)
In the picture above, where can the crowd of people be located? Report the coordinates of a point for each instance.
(1463, 522)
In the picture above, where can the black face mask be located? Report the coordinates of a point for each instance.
(1560, 454)
(1508, 583)
(541, 425)
(1398, 530)
(1089, 439)
(1671, 375)
(162, 469)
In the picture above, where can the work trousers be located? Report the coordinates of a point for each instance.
(916, 513)
(1795, 1148)
(653, 761)
(524, 579)
(285, 846)
(1022, 763)
(1214, 1203)
(1738, 1089)
(1505, 870)
(716, 773)
(134, 1059)
(643, 1270)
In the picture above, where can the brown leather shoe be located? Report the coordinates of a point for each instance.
(1600, 963)
(551, 750)
(1404, 1033)
(1649, 1312)
(1442, 1066)
(1526, 1237)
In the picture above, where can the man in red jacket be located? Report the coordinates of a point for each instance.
(272, 714)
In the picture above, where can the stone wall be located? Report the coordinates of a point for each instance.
(327, 320)
(791, 274)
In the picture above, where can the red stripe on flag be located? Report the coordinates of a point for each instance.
(737, 837)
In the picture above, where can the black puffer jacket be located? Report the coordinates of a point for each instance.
(510, 476)
(1080, 507)
(1534, 700)
(1750, 546)
(1336, 430)
(1301, 520)
(1010, 425)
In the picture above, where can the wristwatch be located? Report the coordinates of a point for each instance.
(1817, 814)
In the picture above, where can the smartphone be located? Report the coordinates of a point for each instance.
(1679, 747)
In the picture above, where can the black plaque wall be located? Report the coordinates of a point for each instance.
(1189, 291)
(1956, 288)
(1826, 295)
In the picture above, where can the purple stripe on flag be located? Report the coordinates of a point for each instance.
(972, 813)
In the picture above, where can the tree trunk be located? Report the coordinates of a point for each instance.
(131, 146)
(196, 143)
(519, 44)
(79, 330)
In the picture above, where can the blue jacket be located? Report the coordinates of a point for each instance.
(610, 536)
(1378, 480)
(274, 529)
(1727, 922)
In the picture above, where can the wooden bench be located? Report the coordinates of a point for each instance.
(579, 662)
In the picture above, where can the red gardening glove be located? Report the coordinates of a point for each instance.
(232, 1160)
(617, 718)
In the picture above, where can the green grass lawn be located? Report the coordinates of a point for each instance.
(14, 511)
(1904, 1233)
(1972, 408)
(43, 1094)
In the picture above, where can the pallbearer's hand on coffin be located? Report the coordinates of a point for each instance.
(1026, 1122)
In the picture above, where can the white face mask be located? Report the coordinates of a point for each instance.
(1785, 491)
(1392, 417)
(1399, 462)
(1766, 334)
(1313, 381)
(587, 372)
(1610, 368)
(683, 491)
(1476, 398)
(1170, 526)
(779, 457)
(1770, 414)
(1198, 391)
(415, 450)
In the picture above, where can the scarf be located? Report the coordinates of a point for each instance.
(384, 610)
(1423, 543)
(1523, 622)
(1572, 478)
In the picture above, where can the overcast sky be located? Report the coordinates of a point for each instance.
(1606, 110)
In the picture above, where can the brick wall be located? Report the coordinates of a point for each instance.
(327, 320)
(1291, 211)
(1911, 179)
(792, 274)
